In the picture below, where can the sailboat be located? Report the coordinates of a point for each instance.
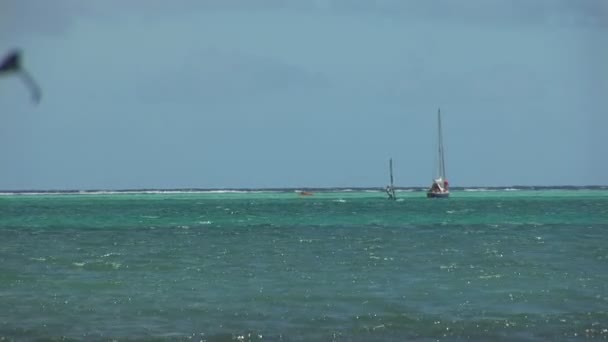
(440, 187)
(390, 189)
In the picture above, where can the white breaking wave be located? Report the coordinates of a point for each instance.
(233, 191)
(110, 254)
(120, 192)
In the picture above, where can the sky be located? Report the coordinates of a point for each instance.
(304, 93)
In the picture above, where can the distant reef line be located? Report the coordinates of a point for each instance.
(308, 189)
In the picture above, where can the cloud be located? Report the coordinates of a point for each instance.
(43, 17)
(55, 17)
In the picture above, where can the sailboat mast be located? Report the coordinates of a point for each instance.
(390, 165)
(441, 158)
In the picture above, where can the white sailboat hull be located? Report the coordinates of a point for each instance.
(431, 194)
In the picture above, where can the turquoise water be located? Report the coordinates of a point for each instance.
(274, 266)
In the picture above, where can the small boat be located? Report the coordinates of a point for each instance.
(440, 187)
(305, 193)
(390, 189)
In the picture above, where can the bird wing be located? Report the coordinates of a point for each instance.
(32, 85)
(11, 63)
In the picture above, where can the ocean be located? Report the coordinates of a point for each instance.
(271, 265)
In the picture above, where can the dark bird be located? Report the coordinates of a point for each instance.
(11, 64)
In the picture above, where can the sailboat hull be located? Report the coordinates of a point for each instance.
(437, 194)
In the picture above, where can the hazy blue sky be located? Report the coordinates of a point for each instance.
(295, 93)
